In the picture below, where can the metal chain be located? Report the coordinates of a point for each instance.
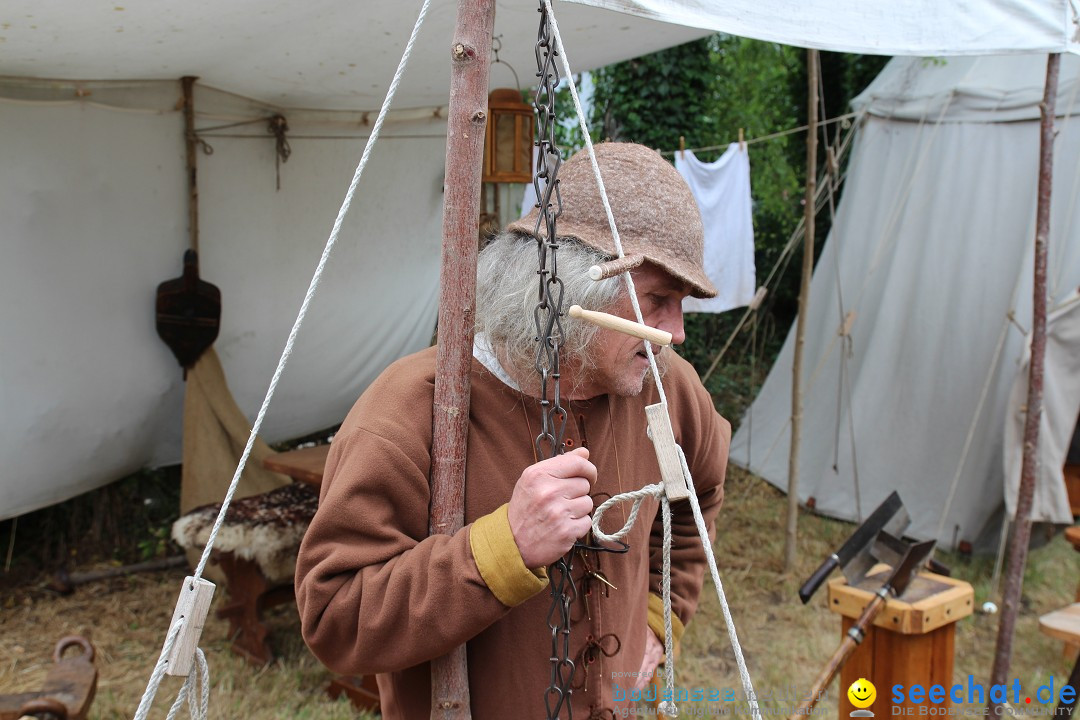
(548, 318)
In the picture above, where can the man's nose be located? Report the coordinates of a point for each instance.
(672, 322)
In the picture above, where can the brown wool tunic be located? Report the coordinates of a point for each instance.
(376, 595)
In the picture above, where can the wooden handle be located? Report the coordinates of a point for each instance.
(629, 327)
(847, 646)
(814, 582)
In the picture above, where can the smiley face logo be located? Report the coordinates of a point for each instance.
(862, 693)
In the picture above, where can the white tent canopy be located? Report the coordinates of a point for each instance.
(879, 27)
(93, 197)
(931, 250)
(341, 54)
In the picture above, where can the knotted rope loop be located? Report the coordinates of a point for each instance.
(637, 496)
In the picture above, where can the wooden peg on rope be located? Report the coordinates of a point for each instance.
(742, 140)
(627, 327)
(192, 605)
(667, 456)
(682, 147)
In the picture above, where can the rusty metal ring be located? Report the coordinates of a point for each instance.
(69, 641)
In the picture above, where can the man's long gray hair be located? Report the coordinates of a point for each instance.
(507, 292)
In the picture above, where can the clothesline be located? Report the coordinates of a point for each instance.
(763, 138)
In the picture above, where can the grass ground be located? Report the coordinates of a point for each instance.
(785, 642)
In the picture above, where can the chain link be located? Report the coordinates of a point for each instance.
(547, 316)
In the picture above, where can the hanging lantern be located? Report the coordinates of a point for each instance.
(508, 140)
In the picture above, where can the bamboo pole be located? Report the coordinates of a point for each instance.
(1014, 575)
(790, 537)
(470, 51)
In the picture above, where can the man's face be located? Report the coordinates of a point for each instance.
(621, 364)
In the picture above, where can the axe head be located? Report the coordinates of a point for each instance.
(915, 557)
(859, 565)
(854, 556)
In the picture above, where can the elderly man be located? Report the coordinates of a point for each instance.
(377, 595)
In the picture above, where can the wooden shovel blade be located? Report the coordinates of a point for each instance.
(188, 312)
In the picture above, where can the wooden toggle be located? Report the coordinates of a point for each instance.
(192, 605)
(667, 456)
(629, 327)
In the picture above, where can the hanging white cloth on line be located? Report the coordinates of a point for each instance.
(722, 191)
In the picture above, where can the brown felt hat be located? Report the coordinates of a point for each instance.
(654, 210)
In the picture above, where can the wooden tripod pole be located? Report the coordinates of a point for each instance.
(1014, 575)
(812, 72)
(470, 53)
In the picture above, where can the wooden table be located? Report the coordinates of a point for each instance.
(306, 465)
(911, 641)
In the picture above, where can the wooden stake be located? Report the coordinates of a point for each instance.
(1014, 575)
(470, 53)
(790, 537)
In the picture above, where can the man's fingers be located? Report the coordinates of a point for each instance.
(572, 464)
(580, 507)
(574, 488)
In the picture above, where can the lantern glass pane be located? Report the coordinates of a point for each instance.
(524, 144)
(504, 142)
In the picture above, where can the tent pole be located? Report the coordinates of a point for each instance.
(188, 83)
(470, 52)
(812, 72)
(1014, 576)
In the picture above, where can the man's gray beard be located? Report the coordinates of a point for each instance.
(662, 363)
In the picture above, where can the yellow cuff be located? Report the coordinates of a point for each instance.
(499, 560)
(656, 620)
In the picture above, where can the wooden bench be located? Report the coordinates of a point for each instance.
(1064, 624)
(256, 550)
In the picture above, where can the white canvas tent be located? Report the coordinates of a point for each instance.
(93, 201)
(932, 252)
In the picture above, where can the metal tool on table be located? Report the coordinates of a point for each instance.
(897, 582)
(855, 556)
(890, 550)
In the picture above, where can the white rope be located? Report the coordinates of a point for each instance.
(703, 532)
(667, 706)
(637, 496)
(159, 670)
(748, 688)
(656, 491)
(197, 712)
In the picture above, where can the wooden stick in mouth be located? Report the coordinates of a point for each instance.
(629, 327)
